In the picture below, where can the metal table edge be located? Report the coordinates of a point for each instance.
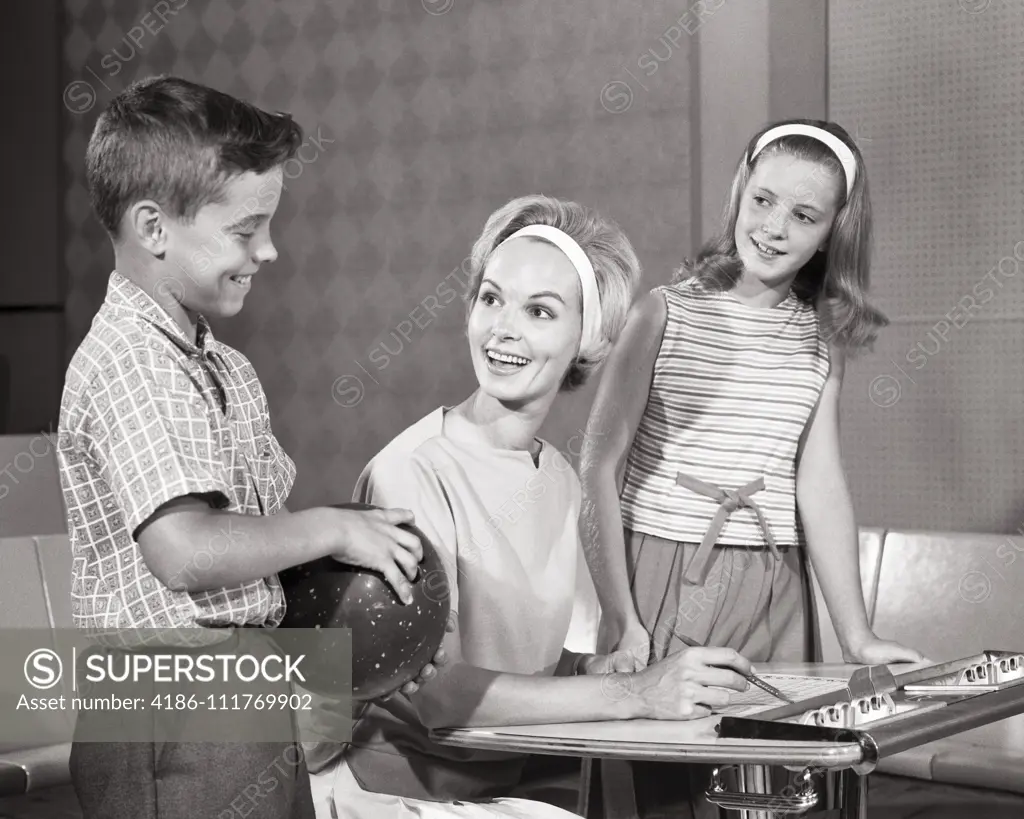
(724, 752)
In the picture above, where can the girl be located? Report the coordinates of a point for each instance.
(719, 422)
(550, 287)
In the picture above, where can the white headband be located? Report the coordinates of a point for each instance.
(592, 337)
(834, 143)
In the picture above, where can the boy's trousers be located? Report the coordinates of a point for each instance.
(169, 774)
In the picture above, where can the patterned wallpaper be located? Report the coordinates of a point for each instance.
(933, 427)
(423, 117)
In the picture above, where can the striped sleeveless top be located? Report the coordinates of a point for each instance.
(732, 391)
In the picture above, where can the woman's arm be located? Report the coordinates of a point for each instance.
(683, 686)
(618, 407)
(826, 510)
(572, 663)
(460, 694)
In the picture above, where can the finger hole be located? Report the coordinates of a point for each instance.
(401, 587)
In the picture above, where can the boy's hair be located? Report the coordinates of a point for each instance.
(836, 282)
(179, 143)
(616, 266)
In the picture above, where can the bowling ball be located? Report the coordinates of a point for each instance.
(391, 641)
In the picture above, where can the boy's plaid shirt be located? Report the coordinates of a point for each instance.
(147, 416)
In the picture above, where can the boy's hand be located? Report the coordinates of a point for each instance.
(373, 540)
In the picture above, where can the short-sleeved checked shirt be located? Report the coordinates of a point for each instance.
(147, 416)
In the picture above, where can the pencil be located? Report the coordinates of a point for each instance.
(751, 678)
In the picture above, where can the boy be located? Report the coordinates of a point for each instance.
(173, 481)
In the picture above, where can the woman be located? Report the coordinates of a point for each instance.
(550, 288)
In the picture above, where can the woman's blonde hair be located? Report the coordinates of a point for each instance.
(615, 264)
(835, 281)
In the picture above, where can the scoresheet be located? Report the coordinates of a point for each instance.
(794, 686)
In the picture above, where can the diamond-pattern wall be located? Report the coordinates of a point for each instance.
(423, 117)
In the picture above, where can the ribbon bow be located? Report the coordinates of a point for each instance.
(730, 500)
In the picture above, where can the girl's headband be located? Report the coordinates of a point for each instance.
(591, 338)
(834, 143)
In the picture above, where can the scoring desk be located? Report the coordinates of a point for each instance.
(832, 763)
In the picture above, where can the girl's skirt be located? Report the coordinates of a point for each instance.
(750, 601)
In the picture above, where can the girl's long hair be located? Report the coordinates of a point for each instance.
(836, 281)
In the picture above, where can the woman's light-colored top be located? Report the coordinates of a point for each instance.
(506, 530)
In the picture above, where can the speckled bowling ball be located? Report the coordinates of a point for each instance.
(391, 641)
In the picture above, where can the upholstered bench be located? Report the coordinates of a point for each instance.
(949, 595)
(35, 564)
(37, 595)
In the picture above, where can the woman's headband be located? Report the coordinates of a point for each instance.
(834, 143)
(591, 338)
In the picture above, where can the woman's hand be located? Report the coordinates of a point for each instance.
(429, 671)
(689, 683)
